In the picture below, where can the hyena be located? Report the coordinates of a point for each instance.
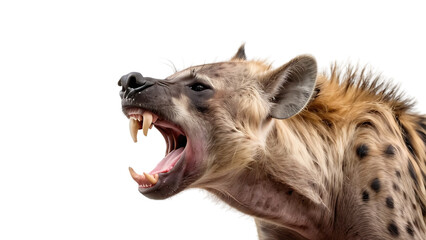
(336, 155)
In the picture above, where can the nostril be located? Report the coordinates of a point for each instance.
(132, 82)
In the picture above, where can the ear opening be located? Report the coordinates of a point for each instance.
(241, 53)
(291, 86)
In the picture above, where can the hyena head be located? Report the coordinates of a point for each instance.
(215, 117)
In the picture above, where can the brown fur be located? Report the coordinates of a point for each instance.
(321, 164)
(344, 158)
(358, 108)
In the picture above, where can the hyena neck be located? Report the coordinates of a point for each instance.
(283, 186)
(272, 203)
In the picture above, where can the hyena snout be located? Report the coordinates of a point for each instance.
(132, 83)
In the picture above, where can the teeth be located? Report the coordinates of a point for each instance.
(169, 145)
(174, 141)
(147, 120)
(151, 179)
(154, 119)
(134, 126)
(135, 176)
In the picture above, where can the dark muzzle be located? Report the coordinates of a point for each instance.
(133, 83)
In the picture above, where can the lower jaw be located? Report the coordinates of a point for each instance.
(169, 183)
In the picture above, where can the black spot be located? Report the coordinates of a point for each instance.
(395, 187)
(317, 90)
(375, 185)
(317, 166)
(422, 125)
(365, 196)
(398, 173)
(412, 172)
(422, 134)
(390, 150)
(414, 206)
(416, 222)
(374, 112)
(422, 206)
(407, 140)
(393, 229)
(409, 229)
(362, 151)
(389, 202)
(328, 123)
(289, 192)
(335, 209)
(365, 125)
(343, 166)
(405, 195)
(202, 109)
(316, 93)
(406, 136)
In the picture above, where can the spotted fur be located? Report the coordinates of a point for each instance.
(359, 130)
(354, 158)
(350, 165)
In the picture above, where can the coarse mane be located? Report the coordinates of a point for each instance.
(363, 84)
(352, 91)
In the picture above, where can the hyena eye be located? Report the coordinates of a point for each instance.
(198, 87)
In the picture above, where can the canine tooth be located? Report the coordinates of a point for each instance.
(147, 120)
(134, 126)
(174, 141)
(169, 145)
(151, 178)
(134, 175)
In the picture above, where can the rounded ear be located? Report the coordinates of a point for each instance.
(241, 53)
(291, 86)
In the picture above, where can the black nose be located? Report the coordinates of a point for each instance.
(132, 83)
(132, 80)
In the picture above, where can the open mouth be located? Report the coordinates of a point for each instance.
(168, 171)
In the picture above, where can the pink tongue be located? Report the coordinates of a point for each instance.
(168, 162)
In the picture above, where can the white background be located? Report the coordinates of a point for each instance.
(64, 143)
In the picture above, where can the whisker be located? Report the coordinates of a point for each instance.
(171, 65)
